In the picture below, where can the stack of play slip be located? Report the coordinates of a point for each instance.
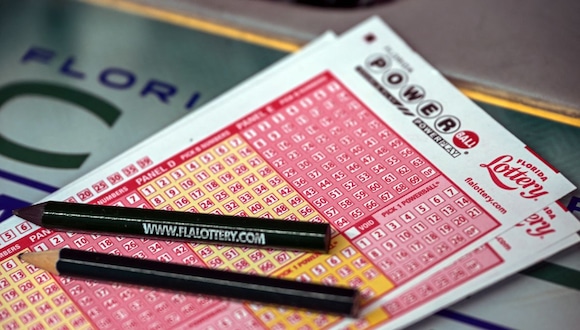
(430, 199)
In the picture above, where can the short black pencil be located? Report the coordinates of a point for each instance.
(197, 280)
(184, 226)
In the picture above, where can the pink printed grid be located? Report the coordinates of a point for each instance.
(341, 149)
(419, 234)
(120, 306)
(466, 268)
(354, 168)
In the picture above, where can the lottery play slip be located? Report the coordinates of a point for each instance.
(429, 198)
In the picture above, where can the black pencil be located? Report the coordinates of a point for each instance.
(197, 280)
(173, 225)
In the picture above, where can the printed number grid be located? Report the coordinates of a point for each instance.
(231, 179)
(117, 306)
(246, 185)
(32, 299)
(468, 267)
(346, 266)
(356, 170)
(417, 234)
(315, 154)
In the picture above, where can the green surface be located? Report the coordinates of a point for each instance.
(556, 274)
(98, 38)
(86, 59)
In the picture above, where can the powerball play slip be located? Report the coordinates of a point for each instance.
(361, 133)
